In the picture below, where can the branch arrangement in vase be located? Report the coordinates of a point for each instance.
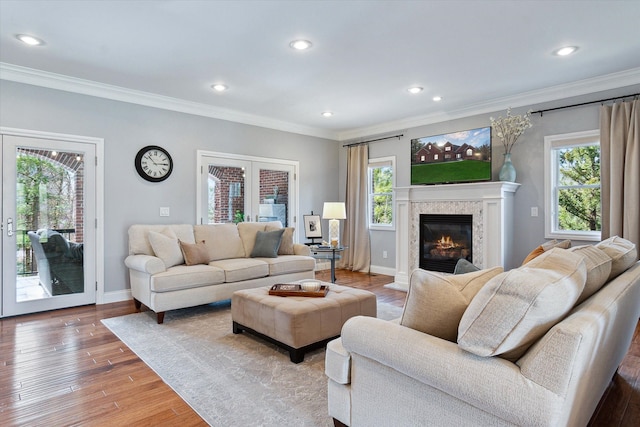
(509, 128)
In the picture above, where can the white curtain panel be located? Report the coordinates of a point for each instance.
(355, 234)
(620, 170)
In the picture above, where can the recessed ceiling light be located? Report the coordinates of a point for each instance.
(300, 44)
(567, 50)
(219, 87)
(326, 114)
(437, 98)
(415, 89)
(30, 40)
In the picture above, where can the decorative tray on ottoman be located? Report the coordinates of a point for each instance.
(304, 289)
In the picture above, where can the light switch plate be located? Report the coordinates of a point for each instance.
(164, 211)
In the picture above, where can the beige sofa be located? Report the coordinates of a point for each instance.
(182, 265)
(382, 373)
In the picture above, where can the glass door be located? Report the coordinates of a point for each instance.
(242, 188)
(227, 196)
(273, 183)
(48, 217)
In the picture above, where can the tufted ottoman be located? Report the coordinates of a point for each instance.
(299, 324)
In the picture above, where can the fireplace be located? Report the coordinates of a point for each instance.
(444, 239)
(491, 204)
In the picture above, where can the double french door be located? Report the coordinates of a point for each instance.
(48, 223)
(241, 188)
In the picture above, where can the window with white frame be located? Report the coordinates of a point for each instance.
(381, 180)
(572, 186)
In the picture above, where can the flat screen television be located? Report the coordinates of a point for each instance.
(449, 158)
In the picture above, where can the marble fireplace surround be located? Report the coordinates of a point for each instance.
(491, 205)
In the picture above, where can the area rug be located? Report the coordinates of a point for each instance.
(231, 380)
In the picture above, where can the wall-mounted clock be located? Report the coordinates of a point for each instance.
(154, 163)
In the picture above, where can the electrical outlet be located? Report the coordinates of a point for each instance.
(164, 211)
(534, 211)
(384, 254)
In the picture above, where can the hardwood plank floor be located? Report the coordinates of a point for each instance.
(65, 368)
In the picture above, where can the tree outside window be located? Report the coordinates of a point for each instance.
(572, 186)
(579, 188)
(381, 183)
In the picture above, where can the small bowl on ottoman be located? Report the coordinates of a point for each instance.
(310, 286)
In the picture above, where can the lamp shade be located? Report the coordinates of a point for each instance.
(334, 210)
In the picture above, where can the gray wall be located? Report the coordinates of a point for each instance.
(126, 128)
(527, 158)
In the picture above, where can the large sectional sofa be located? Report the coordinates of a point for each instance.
(181, 265)
(534, 346)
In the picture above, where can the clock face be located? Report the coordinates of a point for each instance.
(154, 163)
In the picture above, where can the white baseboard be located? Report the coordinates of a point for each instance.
(387, 271)
(396, 287)
(116, 296)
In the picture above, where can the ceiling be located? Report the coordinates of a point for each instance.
(480, 56)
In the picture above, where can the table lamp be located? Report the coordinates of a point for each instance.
(334, 211)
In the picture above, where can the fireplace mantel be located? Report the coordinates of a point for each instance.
(490, 203)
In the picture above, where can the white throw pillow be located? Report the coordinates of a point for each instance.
(166, 247)
(436, 301)
(518, 307)
(598, 265)
(623, 254)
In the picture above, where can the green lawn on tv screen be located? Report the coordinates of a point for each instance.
(457, 171)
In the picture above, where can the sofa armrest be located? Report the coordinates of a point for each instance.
(337, 364)
(492, 384)
(145, 264)
(300, 249)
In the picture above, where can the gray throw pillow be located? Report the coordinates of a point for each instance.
(463, 266)
(267, 244)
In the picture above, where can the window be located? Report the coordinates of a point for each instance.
(572, 186)
(381, 178)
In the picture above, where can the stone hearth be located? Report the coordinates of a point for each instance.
(490, 203)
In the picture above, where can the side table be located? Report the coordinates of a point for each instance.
(330, 253)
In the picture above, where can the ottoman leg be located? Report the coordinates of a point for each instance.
(237, 328)
(296, 355)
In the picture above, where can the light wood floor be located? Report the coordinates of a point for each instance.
(64, 367)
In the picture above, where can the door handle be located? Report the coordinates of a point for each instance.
(9, 227)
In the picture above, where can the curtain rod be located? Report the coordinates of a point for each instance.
(373, 140)
(584, 103)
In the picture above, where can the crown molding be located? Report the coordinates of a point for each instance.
(35, 77)
(581, 87)
(87, 87)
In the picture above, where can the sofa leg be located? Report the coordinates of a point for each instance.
(138, 304)
(160, 317)
(337, 423)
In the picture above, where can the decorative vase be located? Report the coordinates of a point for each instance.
(507, 171)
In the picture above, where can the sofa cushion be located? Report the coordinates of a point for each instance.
(565, 244)
(222, 240)
(238, 269)
(286, 244)
(248, 232)
(436, 301)
(598, 265)
(285, 264)
(166, 247)
(139, 236)
(517, 307)
(196, 253)
(623, 254)
(267, 244)
(186, 277)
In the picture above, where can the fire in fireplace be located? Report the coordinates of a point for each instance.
(444, 239)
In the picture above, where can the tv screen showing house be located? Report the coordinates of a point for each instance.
(463, 156)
